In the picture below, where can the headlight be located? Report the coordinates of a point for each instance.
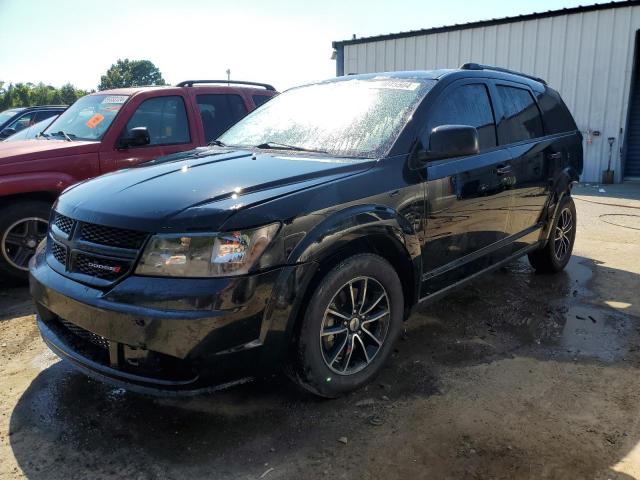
(194, 255)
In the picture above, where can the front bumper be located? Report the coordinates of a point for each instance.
(169, 334)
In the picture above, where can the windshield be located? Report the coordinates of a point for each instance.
(88, 118)
(7, 114)
(351, 118)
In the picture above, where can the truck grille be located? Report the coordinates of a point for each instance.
(112, 237)
(65, 224)
(59, 252)
(105, 268)
(94, 254)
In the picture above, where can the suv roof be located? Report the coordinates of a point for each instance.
(233, 85)
(466, 70)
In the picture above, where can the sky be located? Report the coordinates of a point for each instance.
(285, 43)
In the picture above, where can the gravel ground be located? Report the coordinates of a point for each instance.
(515, 376)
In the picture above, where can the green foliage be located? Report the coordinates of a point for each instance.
(28, 94)
(131, 73)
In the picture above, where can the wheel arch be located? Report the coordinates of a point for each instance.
(374, 229)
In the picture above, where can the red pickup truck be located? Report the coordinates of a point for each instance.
(102, 132)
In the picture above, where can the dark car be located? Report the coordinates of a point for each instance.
(32, 132)
(17, 119)
(309, 232)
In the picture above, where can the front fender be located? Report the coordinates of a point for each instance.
(54, 182)
(352, 223)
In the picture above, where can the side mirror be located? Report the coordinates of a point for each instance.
(136, 137)
(448, 141)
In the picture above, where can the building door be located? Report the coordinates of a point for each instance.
(632, 156)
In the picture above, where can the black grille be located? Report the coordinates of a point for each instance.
(95, 339)
(112, 237)
(59, 252)
(105, 268)
(63, 223)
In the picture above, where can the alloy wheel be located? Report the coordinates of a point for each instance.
(355, 325)
(563, 232)
(20, 240)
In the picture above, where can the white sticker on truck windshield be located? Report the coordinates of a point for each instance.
(395, 84)
(115, 99)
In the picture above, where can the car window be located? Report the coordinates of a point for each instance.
(467, 105)
(556, 115)
(23, 122)
(44, 114)
(8, 114)
(260, 99)
(219, 112)
(165, 118)
(521, 119)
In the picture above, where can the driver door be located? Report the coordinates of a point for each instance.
(167, 121)
(468, 198)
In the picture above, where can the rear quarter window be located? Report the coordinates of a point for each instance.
(260, 99)
(521, 117)
(555, 114)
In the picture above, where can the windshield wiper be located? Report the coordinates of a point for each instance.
(66, 135)
(42, 134)
(284, 146)
(217, 143)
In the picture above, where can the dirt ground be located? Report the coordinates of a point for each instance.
(516, 376)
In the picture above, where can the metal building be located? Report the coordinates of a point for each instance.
(590, 54)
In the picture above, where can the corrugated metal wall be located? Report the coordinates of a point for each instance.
(587, 56)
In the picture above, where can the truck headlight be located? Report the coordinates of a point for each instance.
(205, 255)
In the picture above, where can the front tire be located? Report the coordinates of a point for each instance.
(557, 252)
(22, 227)
(353, 319)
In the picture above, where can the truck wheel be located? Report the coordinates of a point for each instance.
(22, 227)
(556, 253)
(353, 319)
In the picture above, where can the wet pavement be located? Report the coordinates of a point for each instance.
(517, 375)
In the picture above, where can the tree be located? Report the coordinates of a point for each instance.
(68, 94)
(131, 73)
(28, 94)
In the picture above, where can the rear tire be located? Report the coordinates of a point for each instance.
(557, 252)
(353, 319)
(22, 226)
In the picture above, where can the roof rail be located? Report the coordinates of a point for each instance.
(191, 83)
(479, 66)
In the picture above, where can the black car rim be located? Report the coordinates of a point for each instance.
(355, 325)
(20, 240)
(563, 233)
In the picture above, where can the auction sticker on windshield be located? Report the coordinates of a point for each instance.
(94, 121)
(395, 85)
(114, 99)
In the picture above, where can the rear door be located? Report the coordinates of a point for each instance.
(468, 198)
(167, 120)
(535, 158)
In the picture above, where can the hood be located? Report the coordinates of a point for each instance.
(198, 190)
(25, 150)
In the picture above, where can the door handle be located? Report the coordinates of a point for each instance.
(555, 156)
(503, 169)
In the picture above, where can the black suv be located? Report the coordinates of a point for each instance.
(17, 119)
(307, 233)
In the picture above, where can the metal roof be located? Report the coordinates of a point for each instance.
(487, 23)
